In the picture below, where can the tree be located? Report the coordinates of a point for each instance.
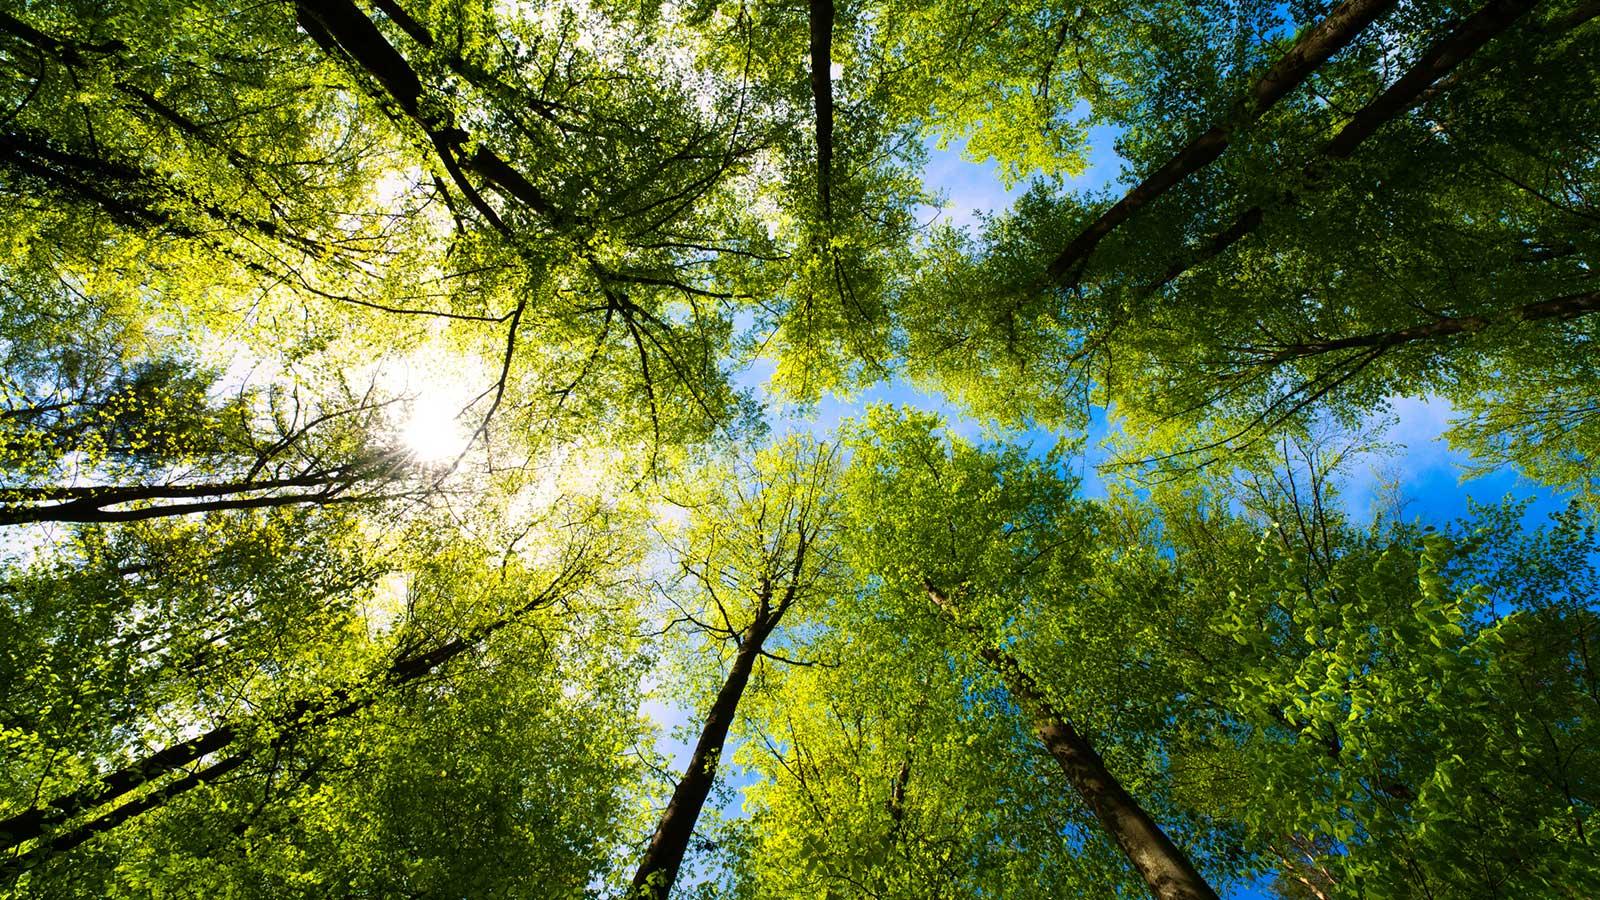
(897, 765)
(1010, 557)
(377, 236)
(278, 651)
(167, 449)
(495, 744)
(756, 545)
(1393, 709)
(160, 615)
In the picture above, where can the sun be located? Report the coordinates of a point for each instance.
(435, 392)
(434, 432)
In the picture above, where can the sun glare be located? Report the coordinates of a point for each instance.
(434, 432)
(435, 389)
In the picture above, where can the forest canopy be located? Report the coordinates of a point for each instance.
(415, 481)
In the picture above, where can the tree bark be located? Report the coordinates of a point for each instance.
(130, 194)
(658, 870)
(897, 790)
(662, 859)
(1308, 52)
(32, 823)
(407, 23)
(1451, 51)
(1166, 871)
(91, 504)
(88, 830)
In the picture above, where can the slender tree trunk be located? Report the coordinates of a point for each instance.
(32, 823)
(1309, 51)
(407, 23)
(662, 859)
(1165, 869)
(343, 29)
(1449, 52)
(92, 507)
(79, 835)
(132, 194)
(68, 51)
(1560, 309)
(106, 495)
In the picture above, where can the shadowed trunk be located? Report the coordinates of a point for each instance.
(342, 29)
(1406, 92)
(1165, 869)
(821, 16)
(897, 790)
(88, 830)
(91, 504)
(664, 857)
(134, 196)
(1309, 51)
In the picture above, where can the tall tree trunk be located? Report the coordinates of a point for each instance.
(32, 823)
(1165, 869)
(92, 507)
(1439, 59)
(1308, 52)
(134, 195)
(342, 29)
(662, 859)
(821, 20)
(84, 832)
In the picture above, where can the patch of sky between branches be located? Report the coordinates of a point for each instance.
(969, 191)
(1422, 478)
